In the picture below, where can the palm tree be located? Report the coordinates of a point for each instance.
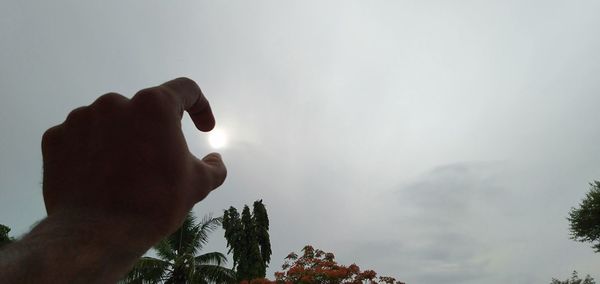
(179, 261)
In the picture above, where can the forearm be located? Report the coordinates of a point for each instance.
(73, 249)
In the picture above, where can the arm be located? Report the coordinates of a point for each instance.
(118, 177)
(68, 249)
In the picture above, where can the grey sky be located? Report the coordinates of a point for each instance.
(435, 141)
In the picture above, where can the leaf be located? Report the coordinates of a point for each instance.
(147, 270)
(213, 258)
(215, 273)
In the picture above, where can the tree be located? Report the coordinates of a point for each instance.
(4, 238)
(585, 220)
(575, 280)
(179, 261)
(317, 266)
(248, 239)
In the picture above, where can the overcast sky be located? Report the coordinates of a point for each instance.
(434, 141)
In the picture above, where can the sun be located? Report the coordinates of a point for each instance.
(217, 138)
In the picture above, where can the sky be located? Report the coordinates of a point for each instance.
(432, 141)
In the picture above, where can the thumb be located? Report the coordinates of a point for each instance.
(214, 169)
(210, 174)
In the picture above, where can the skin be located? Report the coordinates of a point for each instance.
(118, 177)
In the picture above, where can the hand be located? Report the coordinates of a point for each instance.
(125, 162)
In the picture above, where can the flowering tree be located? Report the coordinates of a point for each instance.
(317, 266)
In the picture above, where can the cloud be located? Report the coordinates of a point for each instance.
(350, 120)
(442, 226)
(469, 222)
(450, 206)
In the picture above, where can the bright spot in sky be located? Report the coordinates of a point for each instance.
(217, 138)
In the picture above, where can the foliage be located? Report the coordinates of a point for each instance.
(248, 239)
(179, 261)
(585, 220)
(317, 266)
(575, 280)
(4, 238)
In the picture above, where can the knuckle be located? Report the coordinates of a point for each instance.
(152, 99)
(110, 100)
(79, 114)
(50, 137)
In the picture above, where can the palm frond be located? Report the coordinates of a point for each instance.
(215, 274)
(164, 250)
(213, 258)
(147, 270)
(179, 260)
(184, 236)
(206, 226)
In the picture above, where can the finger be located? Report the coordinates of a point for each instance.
(51, 139)
(189, 97)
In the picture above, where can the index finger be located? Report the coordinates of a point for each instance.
(191, 99)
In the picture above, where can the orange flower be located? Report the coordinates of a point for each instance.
(316, 266)
(354, 268)
(368, 274)
(307, 278)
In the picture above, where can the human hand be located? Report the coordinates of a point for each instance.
(125, 162)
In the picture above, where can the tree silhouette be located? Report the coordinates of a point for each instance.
(585, 220)
(248, 239)
(575, 280)
(178, 259)
(4, 238)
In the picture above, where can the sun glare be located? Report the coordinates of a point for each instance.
(217, 138)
